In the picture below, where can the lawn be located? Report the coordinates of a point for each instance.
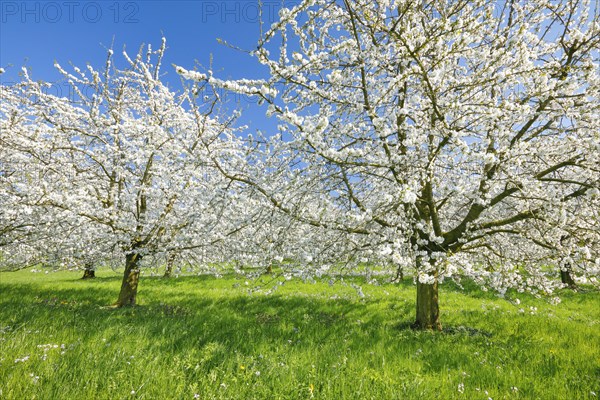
(207, 338)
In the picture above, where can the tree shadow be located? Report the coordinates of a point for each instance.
(186, 322)
(239, 321)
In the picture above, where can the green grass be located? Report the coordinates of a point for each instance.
(211, 337)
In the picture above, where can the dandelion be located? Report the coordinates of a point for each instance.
(242, 367)
(311, 389)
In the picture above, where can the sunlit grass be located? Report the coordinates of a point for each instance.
(218, 339)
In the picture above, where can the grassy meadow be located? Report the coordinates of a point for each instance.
(206, 338)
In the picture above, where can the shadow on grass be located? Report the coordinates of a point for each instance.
(217, 329)
(237, 320)
(581, 295)
(175, 320)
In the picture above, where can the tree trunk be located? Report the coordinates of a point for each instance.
(89, 273)
(566, 278)
(131, 277)
(399, 274)
(428, 309)
(169, 268)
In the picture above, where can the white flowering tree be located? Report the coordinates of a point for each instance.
(18, 219)
(461, 138)
(293, 220)
(130, 163)
(33, 233)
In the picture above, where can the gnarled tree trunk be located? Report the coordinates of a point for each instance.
(131, 277)
(428, 309)
(566, 278)
(88, 273)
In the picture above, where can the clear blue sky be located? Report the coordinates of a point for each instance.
(36, 33)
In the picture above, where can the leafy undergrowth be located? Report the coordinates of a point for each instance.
(200, 337)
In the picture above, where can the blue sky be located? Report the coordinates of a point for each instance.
(36, 33)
